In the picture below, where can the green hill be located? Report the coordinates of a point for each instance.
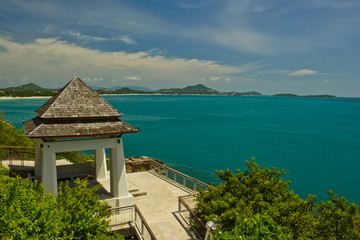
(196, 89)
(26, 90)
(123, 90)
(29, 87)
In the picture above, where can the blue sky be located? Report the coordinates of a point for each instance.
(270, 46)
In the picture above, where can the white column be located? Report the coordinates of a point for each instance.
(100, 163)
(38, 157)
(118, 180)
(49, 175)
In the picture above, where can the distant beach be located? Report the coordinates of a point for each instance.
(33, 97)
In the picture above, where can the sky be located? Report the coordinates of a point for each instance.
(269, 46)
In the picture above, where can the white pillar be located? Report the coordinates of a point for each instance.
(118, 180)
(100, 164)
(38, 157)
(49, 175)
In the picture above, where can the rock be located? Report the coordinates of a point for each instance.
(140, 164)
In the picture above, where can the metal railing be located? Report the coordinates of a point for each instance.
(181, 178)
(17, 155)
(131, 215)
(25, 156)
(186, 209)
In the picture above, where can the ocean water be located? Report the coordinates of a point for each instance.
(317, 140)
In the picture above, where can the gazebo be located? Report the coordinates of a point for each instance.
(77, 119)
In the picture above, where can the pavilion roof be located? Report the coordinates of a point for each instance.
(76, 111)
(77, 100)
(38, 128)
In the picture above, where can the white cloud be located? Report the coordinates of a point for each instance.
(84, 37)
(214, 79)
(243, 40)
(235, 38)
(58, 60)
(302, 72)
(128, 40)
(131, 78)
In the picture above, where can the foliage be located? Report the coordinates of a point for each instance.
(25, 93)
(338, 218)
(26, 213)
(74, 156)
(10, 136)
(256, 227)
(259, 199)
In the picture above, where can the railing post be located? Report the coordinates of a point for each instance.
(184, 181)
(142, 227)
(167, 173)
(158, 167)
(194, 185)
(174, 176)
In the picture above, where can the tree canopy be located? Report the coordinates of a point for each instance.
(26, 213)
(11, 136)
(258, 204)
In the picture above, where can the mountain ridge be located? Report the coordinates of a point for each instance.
(28, 87)
(32, 89)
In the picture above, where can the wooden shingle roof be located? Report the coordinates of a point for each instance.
(77, 100)
(76, 111)
(38, 128)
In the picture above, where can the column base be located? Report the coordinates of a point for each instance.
(121, 201)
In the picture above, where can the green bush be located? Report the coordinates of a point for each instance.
(10, 136)
(259, 199)
(26, 213)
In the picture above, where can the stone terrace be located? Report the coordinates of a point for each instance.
(157, 199)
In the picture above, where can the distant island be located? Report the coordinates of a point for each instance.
(31, 89)
(294, 95)
(27, 90)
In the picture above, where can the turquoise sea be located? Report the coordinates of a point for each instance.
(317, 140)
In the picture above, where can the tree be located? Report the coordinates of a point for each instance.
(26, 213)
(260, 197)
(10, 136)
(338, 218)
(256, 227)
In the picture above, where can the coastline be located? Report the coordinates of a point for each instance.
(167, 94)
(33, 97)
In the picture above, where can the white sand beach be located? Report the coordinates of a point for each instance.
(33, 97)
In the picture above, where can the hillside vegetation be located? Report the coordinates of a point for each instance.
(32, 89)
(11, 136)
(26, 213)
(258, 204)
